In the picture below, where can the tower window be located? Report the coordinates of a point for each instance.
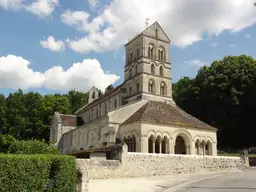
(156, 34)
(136, 69)
(138, 52)
(161, 71)
(130, 73)
(130, 90)
(163, 88)
(150, 51)
(152, 68)
(151, 86)
(93, 95)
(161, 54)
(138, 87)
(131, 56)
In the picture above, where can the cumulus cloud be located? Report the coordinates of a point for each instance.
(93, 4)
(185, 22)
(80, 76)
(42, 8)
(52, 44)
(10, 4)
(196, 63)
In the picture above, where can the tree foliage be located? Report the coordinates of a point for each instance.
(223, 95)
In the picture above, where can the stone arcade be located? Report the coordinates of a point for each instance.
(140, 111)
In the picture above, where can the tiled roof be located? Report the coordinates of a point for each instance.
(100, 98)
(71, 120)
(163, 113)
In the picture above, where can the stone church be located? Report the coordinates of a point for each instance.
(139, 112)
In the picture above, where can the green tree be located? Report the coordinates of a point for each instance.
(108, 88)
(217, 96)
(3, 110)
(77, 100)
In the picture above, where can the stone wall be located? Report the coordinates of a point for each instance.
(143, 164)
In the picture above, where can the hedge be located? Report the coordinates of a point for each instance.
(37, 173)
(32, 147)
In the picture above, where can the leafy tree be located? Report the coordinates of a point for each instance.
(217, 95)
(77, 100)
(108, 88)
(3, 110)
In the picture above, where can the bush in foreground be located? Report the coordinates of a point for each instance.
(37, 173)
(32, 147)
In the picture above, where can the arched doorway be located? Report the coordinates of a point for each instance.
(180, 146)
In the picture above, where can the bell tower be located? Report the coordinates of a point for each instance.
(148, 67)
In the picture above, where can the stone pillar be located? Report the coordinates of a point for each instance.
(193, 148)
(124, 153)
(166, 146)
(160, 145)
(154, 144)
(171, 147)
(143, 144)
(214, 149)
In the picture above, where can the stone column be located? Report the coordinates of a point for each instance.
(214, 149)
(193, 148)
(143, 144)
(171, 147)
(160, 145)
(154, 143)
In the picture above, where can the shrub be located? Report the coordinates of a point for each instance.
(32, 147)
(37, 173)
(5, 142)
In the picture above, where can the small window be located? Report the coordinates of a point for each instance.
(136, 69)
(152, 68)
(138, 87)
(156, 34)
(106, 109)
(150, 51)
(115, 103)
(163, 88)
(93, 95)
(130, 90)
(161, 71)
(131, 56)
(151, 86)
(130, 73)
(138, 52)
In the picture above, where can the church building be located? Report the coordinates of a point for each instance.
(139, 112)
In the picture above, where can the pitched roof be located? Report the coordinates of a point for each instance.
(71, 120)
(100, 98)
(163, 113)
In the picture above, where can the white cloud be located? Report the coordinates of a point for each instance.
(247, 36)
(42, 8)
(185, 22)
(15, 73)
(232, 45)
(93, 4)
(52, 44)
(10, 4)
(214, 44)
(196, 63)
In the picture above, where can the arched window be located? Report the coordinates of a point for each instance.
(115, 103)
(130, 73)
(136, 69)
(163, 88)
(161, 54)
(156, 34)
(93, 95)
(138, 52)
(161, 71)
(138, 87)
(131, 56)
(152, 68)
(150, 51)
(151, 86)
(130, 90)
(106, 109)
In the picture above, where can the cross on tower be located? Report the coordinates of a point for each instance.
(147, 22)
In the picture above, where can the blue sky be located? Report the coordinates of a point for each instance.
(42, 39)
